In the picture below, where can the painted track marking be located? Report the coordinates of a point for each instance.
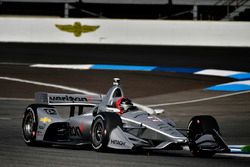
(49, 85)
(92, 93)
(5, 118)
(16, 99)
(198, 100)
(234, 155)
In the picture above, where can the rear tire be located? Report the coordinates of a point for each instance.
(102, 126)
(29, 125)
(198, 126)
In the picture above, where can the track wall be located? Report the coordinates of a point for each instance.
(125, 32)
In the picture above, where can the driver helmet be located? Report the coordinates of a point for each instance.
(124, 104)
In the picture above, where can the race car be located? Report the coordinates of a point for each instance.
(113, 121)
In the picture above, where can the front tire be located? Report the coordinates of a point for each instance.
(102, 126)
(199, 126)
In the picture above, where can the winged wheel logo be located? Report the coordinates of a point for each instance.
(77, 29)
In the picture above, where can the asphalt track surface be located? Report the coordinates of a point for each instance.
(232, 113)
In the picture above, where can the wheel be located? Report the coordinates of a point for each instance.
(102, 126)
(197, 127)
(29, 125)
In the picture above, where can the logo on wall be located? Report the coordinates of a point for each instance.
(77, 28)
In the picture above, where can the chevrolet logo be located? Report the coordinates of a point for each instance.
(45, 120)
(77, 28)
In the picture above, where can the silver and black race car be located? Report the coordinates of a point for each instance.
(113, 121)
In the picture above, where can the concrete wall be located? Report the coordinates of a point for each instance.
(139, 32)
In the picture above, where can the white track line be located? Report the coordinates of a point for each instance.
(16, 99)
(64, 66)
(216, 72)
(5, 118)
(49, 85)
(198, 100)
(12, 63)
(241, 155)
(91, 93)
(235, 155)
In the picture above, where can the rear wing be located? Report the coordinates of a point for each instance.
(56, 99)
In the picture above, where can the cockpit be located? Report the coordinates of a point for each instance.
(124, 105)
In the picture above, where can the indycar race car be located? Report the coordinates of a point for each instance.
(113, 121)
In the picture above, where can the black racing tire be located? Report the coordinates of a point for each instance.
(102, 126)
(30, 123)
(198, 126)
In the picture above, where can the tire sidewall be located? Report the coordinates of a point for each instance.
(205, 126)
(31, 109)
(200, 125)
(98, 119)
(110, 121)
